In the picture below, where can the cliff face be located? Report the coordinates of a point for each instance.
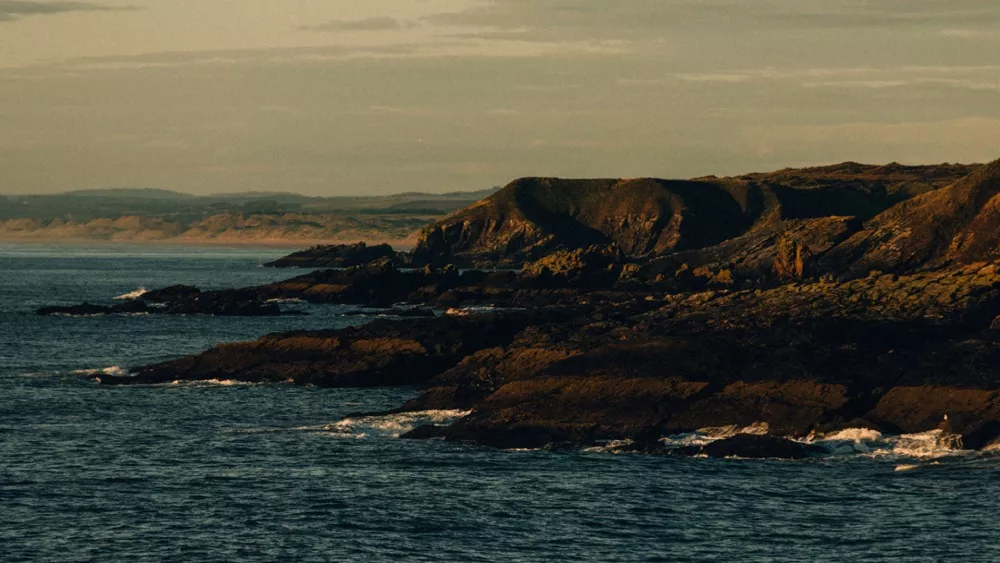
(534, 216)
(958, 224)
(800, 302)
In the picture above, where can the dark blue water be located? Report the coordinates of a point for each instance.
(218, 472)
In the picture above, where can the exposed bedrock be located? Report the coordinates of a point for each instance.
(810, 300)
(182, 300)
(801, 359)
(532, 217)
(897, 353)
(336, 256)
(380, 353)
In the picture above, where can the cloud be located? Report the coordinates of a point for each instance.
(964, 139)
(974, 77)
(592, 18)
(12, 10)
(383, 23)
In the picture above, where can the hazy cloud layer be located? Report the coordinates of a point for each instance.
(443, 95)
(11, 10)
(367, 24)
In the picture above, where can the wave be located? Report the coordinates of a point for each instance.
(385, 426)
(110, 370)
(476, 309)
(609, 447)
(393, 425)
(932, 444)
(280, 300)
(133, 294)
(710, 434)
(866, 442)
(210, 383)
(75, 316)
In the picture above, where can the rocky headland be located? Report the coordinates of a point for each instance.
(798, 303)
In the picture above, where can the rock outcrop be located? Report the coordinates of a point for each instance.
(958, 224)
(532, 217)
(803, 301)
(336, 256)
(381, 353)
(182, 300)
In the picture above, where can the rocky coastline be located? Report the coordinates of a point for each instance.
(569, 313)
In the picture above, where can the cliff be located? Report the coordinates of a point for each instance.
(802, 302)
(650, 217)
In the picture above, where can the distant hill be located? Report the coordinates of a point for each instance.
(138, 214)
(127, 193)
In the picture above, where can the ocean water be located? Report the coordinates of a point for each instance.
(224, 472)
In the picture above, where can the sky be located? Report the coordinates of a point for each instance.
(338, 97)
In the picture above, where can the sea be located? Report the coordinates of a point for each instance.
(221, 471)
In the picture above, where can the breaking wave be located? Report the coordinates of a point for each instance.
(393, 425)
(711, 434)
(864, 442)
(210, 383)
(477, 309)
(133, 294)
(386, 426)
(110, 370)
(932, 444)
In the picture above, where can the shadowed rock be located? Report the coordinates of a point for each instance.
(335, 256)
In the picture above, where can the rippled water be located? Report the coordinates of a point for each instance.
(220, 472)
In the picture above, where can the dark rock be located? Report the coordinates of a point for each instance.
(533, 217)
(985, 435)
(336, 256)
(754, 447)
(173, 293)
(426, 432)
(183, 300)
(650, 308)
(82, 310)
(381, 353)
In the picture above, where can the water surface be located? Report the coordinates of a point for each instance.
(222, 472)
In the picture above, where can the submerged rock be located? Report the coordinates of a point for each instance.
(81, 310)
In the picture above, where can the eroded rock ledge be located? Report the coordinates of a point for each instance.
(810, 300)
(892, 352)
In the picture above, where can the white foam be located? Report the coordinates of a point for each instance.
(906, 467)
(392, 425)
(871, 443)
(851, 441)
(609, 447)
(110, 370)
(133, 294)
(219, 382)
(855, 435)
(710, 434)
(848, 441)
(931, 444)
(474, 309)
(76, 316)
(285, 300)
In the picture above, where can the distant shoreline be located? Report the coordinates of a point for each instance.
(399, 244)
